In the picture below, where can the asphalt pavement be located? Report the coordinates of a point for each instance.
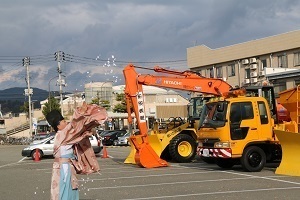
(22, 178)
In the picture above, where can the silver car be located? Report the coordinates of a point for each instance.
(122, 140)
(45, 147)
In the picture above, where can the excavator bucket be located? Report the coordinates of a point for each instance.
(143, 154)
(290, 144)
(154, 142)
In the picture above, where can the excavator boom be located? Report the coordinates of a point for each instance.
(187, 81)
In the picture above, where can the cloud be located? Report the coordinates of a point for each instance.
(143, 32)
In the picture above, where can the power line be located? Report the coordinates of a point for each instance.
(16, 62)
(41, 59)
(75, 58)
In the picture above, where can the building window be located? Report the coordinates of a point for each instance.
(219, 72)
(282, 61)
(297, 59)
(279, 87)
(247, 73)
(297, 82)
(231, 70)
(263, 64)
(210, 73)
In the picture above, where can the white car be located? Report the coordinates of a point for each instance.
(37, 138)
(45, 147)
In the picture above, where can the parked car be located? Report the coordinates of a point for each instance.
(37, 138)
(103, 133)
(96, 143)
(112, 137)
(123, 140)
(45, 147)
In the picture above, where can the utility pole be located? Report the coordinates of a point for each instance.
(59, 55)
(28, 91)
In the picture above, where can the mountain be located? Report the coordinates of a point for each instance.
(13, 98)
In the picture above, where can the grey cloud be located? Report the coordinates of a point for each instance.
(132, 31)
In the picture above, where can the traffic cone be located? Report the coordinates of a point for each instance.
(104, 155)
(37, 157)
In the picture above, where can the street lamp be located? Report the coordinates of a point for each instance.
(50, 91)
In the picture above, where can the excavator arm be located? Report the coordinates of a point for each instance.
(186, 81)
(145, 156)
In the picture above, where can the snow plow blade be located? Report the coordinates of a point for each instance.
(143, 154)
(290, 144)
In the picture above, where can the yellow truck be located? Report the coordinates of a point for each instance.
(242, 130)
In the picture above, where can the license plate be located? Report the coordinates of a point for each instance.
(205, 153)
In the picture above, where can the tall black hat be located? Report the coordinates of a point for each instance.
(53, 118)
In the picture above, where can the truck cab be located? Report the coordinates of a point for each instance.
(238, 130)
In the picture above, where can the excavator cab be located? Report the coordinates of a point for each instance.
(195, 106)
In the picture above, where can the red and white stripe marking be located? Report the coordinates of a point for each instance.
(214, 152)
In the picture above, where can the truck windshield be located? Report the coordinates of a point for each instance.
(213, 115)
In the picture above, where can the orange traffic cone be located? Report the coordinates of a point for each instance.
(37, 155)
(104, 155)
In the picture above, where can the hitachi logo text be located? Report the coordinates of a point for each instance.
(172, 82)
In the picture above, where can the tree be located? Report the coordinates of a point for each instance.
(120, 107)
(25, 108)
(52, 104)
(104, 103)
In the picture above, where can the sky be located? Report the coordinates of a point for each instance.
(100, 37)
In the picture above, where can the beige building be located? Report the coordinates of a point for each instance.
(160, 104)
(275, 59)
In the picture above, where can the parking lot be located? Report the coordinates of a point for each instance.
(22, 178)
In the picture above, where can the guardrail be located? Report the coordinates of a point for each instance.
(15, 141)
(18, 129)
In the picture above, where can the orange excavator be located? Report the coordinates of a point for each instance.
(145, 156)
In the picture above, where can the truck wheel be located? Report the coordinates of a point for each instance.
(182, 148)
(253, 159)
(34, 154)
(225, 163)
